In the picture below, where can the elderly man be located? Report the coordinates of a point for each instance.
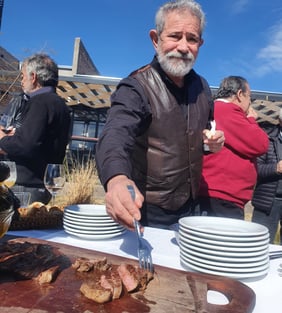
(44, 131)
(157, 125)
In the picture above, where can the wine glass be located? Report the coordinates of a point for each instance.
(5, 220)
(11, 180)
(54, 179)
(6, 123)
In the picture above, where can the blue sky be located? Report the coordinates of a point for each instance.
(242, 37)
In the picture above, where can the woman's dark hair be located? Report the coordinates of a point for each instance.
(230, 86)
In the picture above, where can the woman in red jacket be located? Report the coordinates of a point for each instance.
(229, 176)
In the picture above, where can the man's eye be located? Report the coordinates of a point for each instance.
(174, 37)
(193, 40)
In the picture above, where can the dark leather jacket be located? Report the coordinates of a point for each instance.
(167, 158)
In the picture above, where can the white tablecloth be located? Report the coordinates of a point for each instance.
(165, 252)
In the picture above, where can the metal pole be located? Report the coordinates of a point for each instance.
(1, 11)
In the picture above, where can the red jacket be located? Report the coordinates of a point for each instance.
(231, 174)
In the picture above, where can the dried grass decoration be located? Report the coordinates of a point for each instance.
(82, 185)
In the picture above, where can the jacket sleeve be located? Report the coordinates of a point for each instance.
(267, 164)
(242, 135)
(28, 138)
(127, 118)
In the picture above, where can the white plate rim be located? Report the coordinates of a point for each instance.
(86, 209)
(207, 261)
(224, 240)
(218, 257)
(93, 226)
(90, 222)
(88, 217)
(220, 269)
(93, 232)
(227, 246)
(95, 237)
(187, 266)
(223, 226)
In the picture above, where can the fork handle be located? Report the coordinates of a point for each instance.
(135, 222)
(131, 191)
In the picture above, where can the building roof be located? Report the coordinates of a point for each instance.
(82, 86)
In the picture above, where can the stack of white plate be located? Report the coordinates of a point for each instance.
(224, 246)
(90, 221)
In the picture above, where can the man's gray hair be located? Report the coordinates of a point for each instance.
(44, 67)
(180, 6)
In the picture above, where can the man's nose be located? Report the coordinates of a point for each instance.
(183, 45)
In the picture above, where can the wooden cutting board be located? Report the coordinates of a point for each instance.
(170, 291)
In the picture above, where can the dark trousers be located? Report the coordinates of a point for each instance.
(155, 216)
(218, 207)
(272, 220)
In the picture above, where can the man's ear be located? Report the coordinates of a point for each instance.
(201, 42)
(154, 37)
(239, 95)
(33, 77)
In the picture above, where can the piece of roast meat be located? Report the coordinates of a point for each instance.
(29, 260)
(86, 265)
(129, 277)
(49, 275)
(103, 282)
(113, 283)
(93, 290)
(134, 278)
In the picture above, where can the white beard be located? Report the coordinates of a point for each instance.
(175, 63)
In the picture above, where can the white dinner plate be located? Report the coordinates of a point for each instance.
(224, 240)
(221, 269)
(231, 259)
(93, 226)
(228, 264)
(230, 246)
(222, 226)
(189, 266)
(87, 222)
(244, 252)
(85, 218)
(93, 231)
(87, 210)
(94, 236)
(219, 250)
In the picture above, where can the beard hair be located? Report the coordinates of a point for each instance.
(175, 63)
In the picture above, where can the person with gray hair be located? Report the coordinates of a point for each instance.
(267, 197)
(43, 134)
(157, 125)
(229, 176)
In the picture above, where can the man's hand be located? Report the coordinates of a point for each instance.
(279, 167)
(7, 132)
(215, 142)
(119, 204)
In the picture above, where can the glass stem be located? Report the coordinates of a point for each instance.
(53, 199)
